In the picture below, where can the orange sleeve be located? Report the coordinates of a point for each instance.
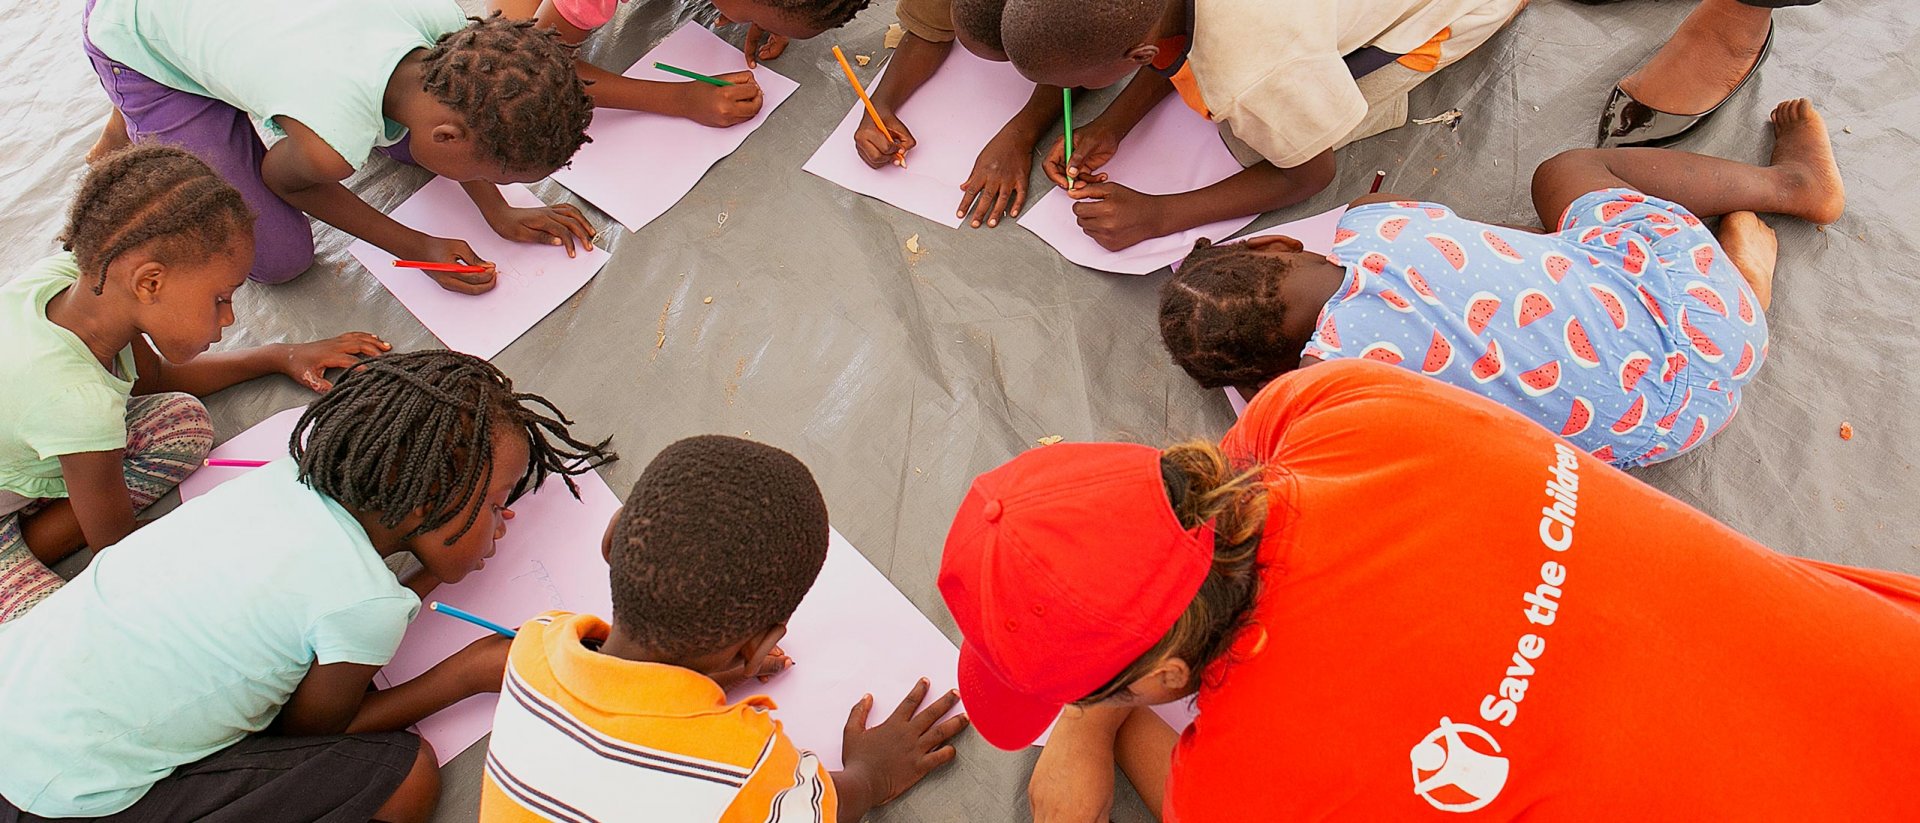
(788, 785)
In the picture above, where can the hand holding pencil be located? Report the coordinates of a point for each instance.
(885, 124)
(451, 263)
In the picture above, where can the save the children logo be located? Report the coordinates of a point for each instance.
(1456, 775)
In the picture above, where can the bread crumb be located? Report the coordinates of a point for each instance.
(1848, 130)
(1049, 440)
(862, 59)
(708, 301)
(895, 34)
(1846, 431)
(913, 245)
(723, 218)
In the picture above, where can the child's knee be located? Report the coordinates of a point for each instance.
(419, 792)
(175, 424)
(282, 256)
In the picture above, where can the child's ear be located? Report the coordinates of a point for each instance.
(1143, 53)
(606, 537)
(146, 279)
(449, 133)
(756, 648)
(1278, 242)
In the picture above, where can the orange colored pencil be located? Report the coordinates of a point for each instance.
(900, 157)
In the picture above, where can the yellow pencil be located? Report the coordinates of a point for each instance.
(899, 157)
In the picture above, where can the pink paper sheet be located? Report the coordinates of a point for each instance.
(533, 280)
(952, 117)
(1173, 150)
(550, 559)
(640, 164)
(267, 440)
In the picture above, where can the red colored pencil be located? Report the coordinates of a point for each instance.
(235, 464)
(1378, 176)
(424, 265)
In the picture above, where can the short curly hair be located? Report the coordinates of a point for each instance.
(152, 194)
(720, 538)
(515, 85)
(980, 20)
(1220, 316)
(820, 14)
(1050, 35)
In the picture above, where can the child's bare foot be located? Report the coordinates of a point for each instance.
(1804, 156)
(1751, 245)
(113, 137)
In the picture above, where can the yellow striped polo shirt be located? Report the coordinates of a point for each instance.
(583, 736)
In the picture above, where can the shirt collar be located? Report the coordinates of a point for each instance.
(608, 683)
(1173, 50)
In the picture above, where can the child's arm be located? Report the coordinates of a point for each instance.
(306, 363)
(1095, 142)
(1073, 781)
(304, 171)
(998, 184)
(886, 760)
(547, 225)
(97, 490)
(718, 106)
(333, 698)
(1117, 217)
(913, 62)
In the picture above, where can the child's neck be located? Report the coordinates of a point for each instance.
(1174, 21)
(104, 328)
(619, 644)
(405, 100)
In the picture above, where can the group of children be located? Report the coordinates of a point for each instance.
(216, 663)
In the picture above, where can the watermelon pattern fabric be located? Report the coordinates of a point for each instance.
(1628, 331)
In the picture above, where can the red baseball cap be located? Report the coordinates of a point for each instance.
(1062, 568)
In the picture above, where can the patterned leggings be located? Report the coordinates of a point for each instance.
(167, 437)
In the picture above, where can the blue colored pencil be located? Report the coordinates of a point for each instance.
(475, 619)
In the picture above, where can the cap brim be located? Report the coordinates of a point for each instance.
(1006, 717)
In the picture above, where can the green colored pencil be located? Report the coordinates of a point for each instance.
(707, 79)
(1066, 100)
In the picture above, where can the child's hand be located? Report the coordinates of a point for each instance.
(307, 363)
(1093, 147)
(774, 663)
(752, 47)
(721, 106)
(482, 665)
(560, 225)
(889, 758)
(444, 250)
(998, 184)
(1116, 216)
(874, 147)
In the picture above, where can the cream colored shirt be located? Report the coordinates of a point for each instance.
(1273, 72)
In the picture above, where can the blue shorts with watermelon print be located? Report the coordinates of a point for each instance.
(1718, 337)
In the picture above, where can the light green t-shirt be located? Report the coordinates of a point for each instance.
(58, 398)
(186, 637)
(325, 64)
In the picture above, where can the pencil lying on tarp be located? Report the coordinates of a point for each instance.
(227, 462)
(693, 75)
(1378, 178)
(1066, 104)
(426, 265)
(471, 618)
(899, 157)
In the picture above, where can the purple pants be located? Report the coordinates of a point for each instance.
(223, 137)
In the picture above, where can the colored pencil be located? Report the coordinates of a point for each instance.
(899, 157)
(471, 618)
(425, 265)
(223, 462)
(1378, 177)
(1066, 101)
(693, 75)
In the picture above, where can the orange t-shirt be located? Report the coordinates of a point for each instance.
(1463, 614)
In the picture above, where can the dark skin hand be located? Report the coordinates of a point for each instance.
(717, 106)
(773, 46)
(884, 761)
(913, 62)
(333, 698)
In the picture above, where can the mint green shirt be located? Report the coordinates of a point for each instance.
(325, 64)
(186, 637)
(58, 398)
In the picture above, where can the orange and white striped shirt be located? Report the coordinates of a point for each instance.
(583, 736)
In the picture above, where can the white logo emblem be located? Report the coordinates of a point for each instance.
(1456, 776)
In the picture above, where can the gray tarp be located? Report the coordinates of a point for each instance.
(898, 378)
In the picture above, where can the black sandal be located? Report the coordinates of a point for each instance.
(1629, 122)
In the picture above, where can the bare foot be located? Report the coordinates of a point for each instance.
(113, 137)
(1803, 156)
(1707, 57)
(1751, 245)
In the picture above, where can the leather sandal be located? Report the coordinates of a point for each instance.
(1629, 122)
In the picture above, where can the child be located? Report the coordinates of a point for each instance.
(98, 424)
(717, 544)
(1288, 83)
(491, 102)
(718, 106)
(1630, 329)
(218, 663)
(997, 187)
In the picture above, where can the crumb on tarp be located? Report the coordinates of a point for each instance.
(1049, 440)
(1449, 118)
(722, 220)
(895, 34)
(708, 301)
(1846, 430)
(862, 59)
(913, 245)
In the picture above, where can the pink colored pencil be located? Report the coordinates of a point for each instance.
(222, 462)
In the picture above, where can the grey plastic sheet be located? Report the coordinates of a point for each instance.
(897, 377)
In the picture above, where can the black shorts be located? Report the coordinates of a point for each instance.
(334, 779)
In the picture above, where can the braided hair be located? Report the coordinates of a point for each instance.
(516, 87)
(1220, 317)
(151, 194)
(413, 432)
(820, 14)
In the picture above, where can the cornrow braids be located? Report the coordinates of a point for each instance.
(151, 194)
(1220, 317)
(1203, 486)
(820, 14)
(515, 86)
(413, 432)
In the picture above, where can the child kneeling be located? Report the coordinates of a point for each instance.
(714, 549)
